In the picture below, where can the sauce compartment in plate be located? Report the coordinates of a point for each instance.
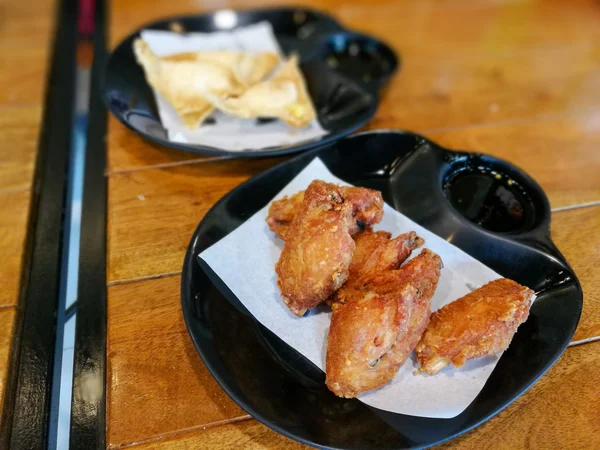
(492, 194)
(362, 58)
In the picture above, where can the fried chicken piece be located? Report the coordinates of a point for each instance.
(367, 207)
(366, 243)
(372, 336)
(316, 256)
(386, 256)
(282, 213)
(479, 324)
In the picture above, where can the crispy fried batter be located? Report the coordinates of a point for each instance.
(367, 209)
(316, 256)
(366, 243)
(372, 336)
(282, 213)
(479, 324)
(367, 206)
(185, 79)
(387, 256)
(284, 96)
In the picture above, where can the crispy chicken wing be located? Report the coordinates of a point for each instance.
(316, 256)
(479, 324)
(372, 336)
(367, 209)
(388, 255)
(366, 243)
(282, 212)
(367, 206)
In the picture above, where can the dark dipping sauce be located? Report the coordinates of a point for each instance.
(490, 199)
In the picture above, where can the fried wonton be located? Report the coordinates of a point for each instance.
(247, 68)
(184, 79)
(283, 96)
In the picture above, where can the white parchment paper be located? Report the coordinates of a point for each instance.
(228, 133)
(245, 261)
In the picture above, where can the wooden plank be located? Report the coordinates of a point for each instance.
(576, 233)
(23, 79)
(489, 88)
(7, 318)
(129, 151)
(18, 146)
(153, 213)
(24, 42)
(247, 434)
(156, 382)
(560, 153)
(425, 29)
(25, 24)
(14, 210)
(558, 412)
(527, 423)
(433, 32)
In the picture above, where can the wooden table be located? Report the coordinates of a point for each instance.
(515, 79)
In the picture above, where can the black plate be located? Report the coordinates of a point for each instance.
(280, 388)
(344, 73)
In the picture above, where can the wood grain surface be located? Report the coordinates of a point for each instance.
(18, 146)
(154, 368)
(23, 25)
(7, 317)
(129, 152)
(14, 209)
(515, 79)
(20, 84)
(558, 411)
(153, 213)
(576, 233)
(425, 29)
(246, 434)
(541, 419)
(490, 88)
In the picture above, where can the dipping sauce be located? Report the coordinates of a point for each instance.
(490, 198)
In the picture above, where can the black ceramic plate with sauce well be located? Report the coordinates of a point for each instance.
(487, 207)
(344, 73)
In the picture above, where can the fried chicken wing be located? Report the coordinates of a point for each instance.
(367, 208)
(481, 323)
(366, 243)
(372, 336)
(316, 256)
(282, 213)
(388, 255)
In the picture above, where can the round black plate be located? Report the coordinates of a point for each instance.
(280, 388)
(344, 72)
